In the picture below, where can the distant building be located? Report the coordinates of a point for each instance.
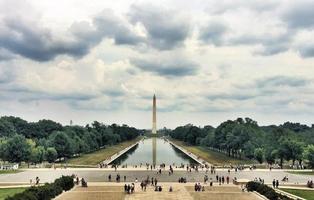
(13, 166)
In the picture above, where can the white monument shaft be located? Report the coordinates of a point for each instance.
(154, 128)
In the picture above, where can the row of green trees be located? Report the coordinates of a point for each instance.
(47, 140)
(244, 138)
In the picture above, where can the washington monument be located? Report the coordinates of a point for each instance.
(154, 129)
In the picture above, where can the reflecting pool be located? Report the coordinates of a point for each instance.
(154, 151)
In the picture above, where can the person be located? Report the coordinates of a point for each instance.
(109, 177)
(142, 185)
(132, 188)
(118, 178)
(124, 178)
(274, 183)
(155, 181)
(37, 180)
(84, 183)
(128, 189)
(136, 180)
(77, 180)
(170, 188)
(125, 188)
(205, 179)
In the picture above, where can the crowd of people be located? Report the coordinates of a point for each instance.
(275, 183)
(198, 187)
(222, 179)
(208, 178)
(129, 188)
(77, 180)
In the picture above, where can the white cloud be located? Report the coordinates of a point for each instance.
(105, 60)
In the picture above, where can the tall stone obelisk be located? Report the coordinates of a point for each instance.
(154, 129)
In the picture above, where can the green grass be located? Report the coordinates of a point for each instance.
(306, 194)
(10, 171)
(5, 192)
(302, 172)
(213, 157)
(96, 157)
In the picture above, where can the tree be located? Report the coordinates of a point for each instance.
(309, 155)
(6, 128)
(63, 144)
(2, 149)
(259, 155)
(270, 155)
(38, 154)
(51, 154)
(292, 149)
(17, 149)
(249, 150)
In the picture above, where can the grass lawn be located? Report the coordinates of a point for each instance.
(96, 157)
(211, 156)
(306, 194)
(10, 171)
(301, 172)
(5, 192)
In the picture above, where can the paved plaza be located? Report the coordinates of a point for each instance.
(101, 175)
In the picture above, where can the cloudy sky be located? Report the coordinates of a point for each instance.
(207, 61)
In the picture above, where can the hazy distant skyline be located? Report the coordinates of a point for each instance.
(206, 61)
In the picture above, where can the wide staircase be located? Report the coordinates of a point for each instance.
(221, 193)
(93, 193)
(103, 191)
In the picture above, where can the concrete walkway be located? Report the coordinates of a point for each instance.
(117, 155)
(101, 175)
(190, 154)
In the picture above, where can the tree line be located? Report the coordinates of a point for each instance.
(46, 140)
(244, 138)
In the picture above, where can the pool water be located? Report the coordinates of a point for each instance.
(154, 151)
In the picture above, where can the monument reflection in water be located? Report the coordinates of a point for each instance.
(154, 151)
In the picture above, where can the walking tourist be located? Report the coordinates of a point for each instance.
(37, 180)
(84, 183)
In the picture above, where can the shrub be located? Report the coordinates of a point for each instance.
(65, 182)
(268, 192)
(47, 191)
